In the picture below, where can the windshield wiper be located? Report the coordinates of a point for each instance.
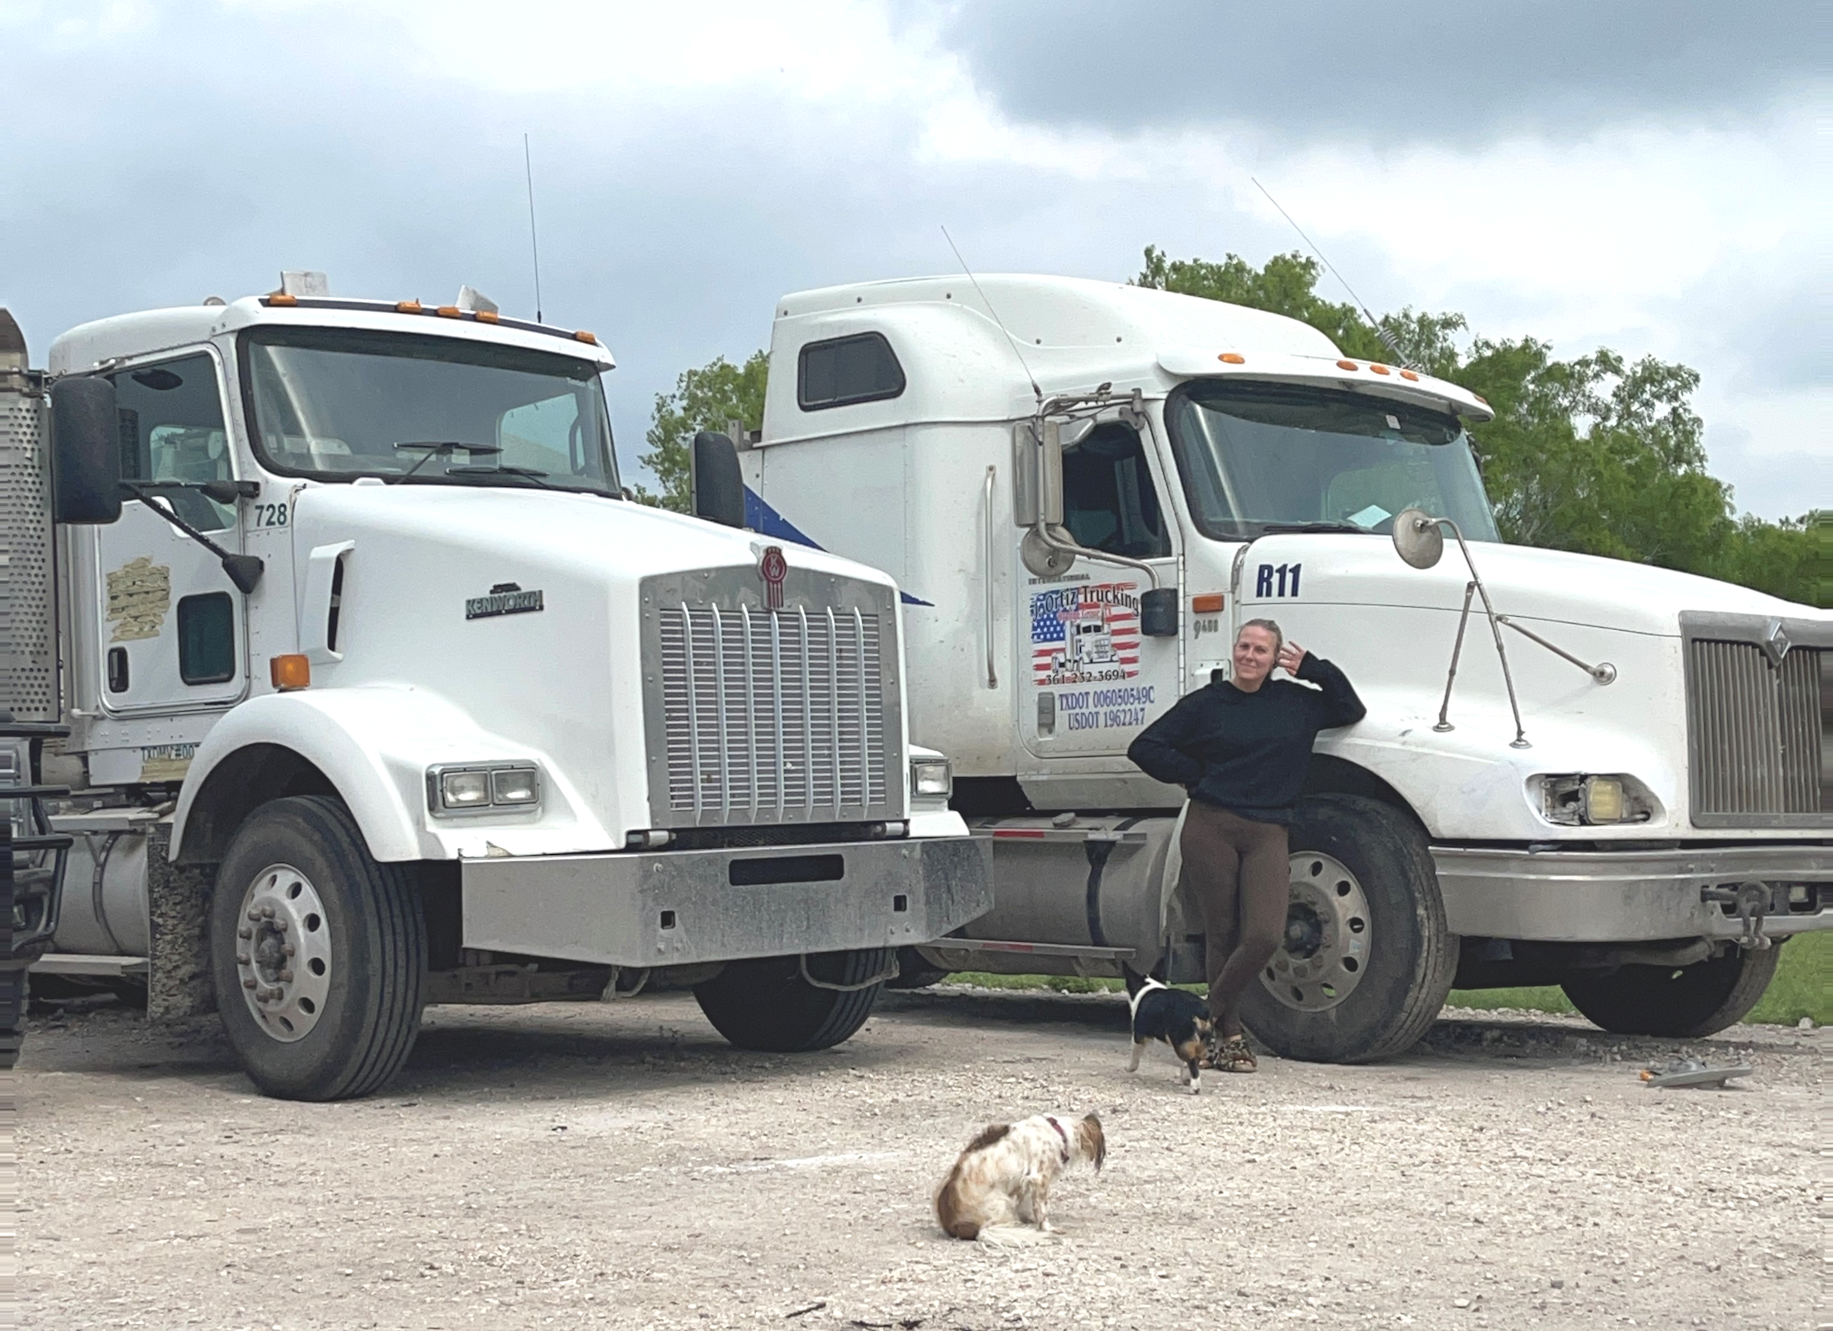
(1286, 528)
(438, 448)
(538, 477)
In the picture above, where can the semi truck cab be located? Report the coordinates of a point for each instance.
(380, 691)
(1573, 770)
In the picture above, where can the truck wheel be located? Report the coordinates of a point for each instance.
(318, 953)
(913, 972)
(1367, 959)
(765, 1004)
(1701, 999)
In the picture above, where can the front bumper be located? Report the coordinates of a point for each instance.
(1627, 896)
(672, 908)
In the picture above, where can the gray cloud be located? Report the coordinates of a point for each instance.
(163, 173)
(1408, 70)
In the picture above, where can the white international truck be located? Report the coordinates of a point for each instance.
(1573, 770)
(371, 688)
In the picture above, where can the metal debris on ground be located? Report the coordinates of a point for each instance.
(1691, 1072)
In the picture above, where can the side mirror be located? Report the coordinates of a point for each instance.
(1050, 476)
(1417, 538)
(717, 486)
(1158, 612)
(85, 451)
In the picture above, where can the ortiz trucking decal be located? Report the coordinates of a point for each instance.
(1086, 634)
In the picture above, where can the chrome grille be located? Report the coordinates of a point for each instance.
(28, 648)
(1757, 734)
(760, 715)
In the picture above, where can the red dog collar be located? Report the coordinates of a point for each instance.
(1064, 1135)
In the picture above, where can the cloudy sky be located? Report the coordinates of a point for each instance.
(1642, 174)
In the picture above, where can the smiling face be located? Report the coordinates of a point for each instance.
(1255, 651)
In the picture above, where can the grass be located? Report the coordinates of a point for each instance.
(1801, 988)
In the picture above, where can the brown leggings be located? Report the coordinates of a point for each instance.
(1236, 869)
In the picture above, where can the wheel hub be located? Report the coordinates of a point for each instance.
(1327, 940)
(283, 953)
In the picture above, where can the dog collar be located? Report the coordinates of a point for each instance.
(1051, 1119)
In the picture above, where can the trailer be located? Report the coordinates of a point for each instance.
(343, 677)
(1573, 771)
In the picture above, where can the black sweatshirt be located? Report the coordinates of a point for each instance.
(1248, 752)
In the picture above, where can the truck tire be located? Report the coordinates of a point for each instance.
(1367, 959)
(1701, 999)
(336, 1016)
(765, 1004)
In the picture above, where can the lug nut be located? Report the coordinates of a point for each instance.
(245, 932)
(288, 950)
(280, 924)
(267, 911)
(241, 958)
(254, 917)
(286, 976)
(249, 984)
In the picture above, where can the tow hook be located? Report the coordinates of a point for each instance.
(1752, 902)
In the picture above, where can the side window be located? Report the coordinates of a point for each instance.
(206, 638)
(845, 370)
(172, 430)
(1108, 500)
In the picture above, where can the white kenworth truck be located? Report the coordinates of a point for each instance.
(1573, 770)
(371, 688)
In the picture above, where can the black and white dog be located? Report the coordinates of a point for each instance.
(1178, 1018)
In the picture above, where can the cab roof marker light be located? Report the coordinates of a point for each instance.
(408, 307)
(1380, 369)
(1232, 358)
(279, 298)
(486, 316)
(1348, 365)
(449, 312)
(1409, 375)
(580, 335)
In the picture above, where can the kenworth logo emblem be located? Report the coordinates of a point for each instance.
(773, 568)
(505, 599)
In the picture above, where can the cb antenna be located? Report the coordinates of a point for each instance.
(1010, 340)
(534, 244)
(1387, 339)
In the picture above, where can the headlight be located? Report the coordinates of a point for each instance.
(1593, 801)
(1603, 800)
(931, 778)
(478, 787)
(514, 785)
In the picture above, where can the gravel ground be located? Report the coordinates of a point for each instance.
(594, 1165)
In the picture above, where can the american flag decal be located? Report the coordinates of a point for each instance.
(1085, 634)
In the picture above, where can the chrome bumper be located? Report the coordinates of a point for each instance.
(670, 908)
(1631, 896)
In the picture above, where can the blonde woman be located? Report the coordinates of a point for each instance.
(1241, 747)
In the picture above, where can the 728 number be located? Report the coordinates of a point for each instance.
(270, 515)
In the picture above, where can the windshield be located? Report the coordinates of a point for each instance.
(337, 402)
(1258, 456)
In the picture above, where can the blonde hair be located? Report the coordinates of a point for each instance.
(1279, 638)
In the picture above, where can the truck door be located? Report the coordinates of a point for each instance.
(1089, 680)
(170, 624)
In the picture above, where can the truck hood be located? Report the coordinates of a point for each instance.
(1552, 586)
(611, 541)
(496, 624)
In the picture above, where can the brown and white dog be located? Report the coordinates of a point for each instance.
(1002, 1181)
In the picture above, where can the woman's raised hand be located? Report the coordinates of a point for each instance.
(1291, 657)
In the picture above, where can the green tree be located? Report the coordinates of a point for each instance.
(1594, 455)
(704, 399)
